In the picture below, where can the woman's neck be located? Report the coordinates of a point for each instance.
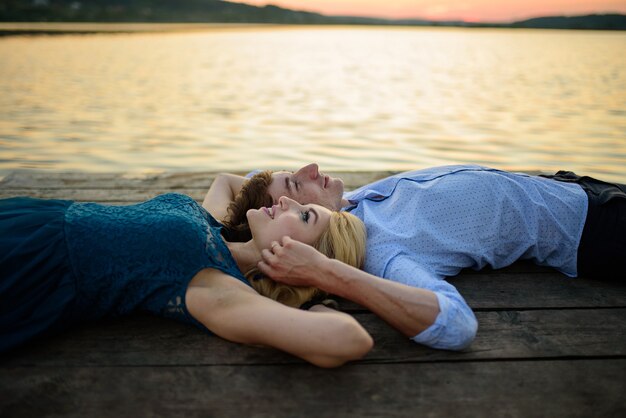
(246, 255)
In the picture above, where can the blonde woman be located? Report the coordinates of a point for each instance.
(63, 262)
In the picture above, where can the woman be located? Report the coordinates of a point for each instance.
(63, 262)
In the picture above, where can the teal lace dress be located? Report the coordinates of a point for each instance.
(63, 262)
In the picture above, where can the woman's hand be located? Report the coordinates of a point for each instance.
(293, 263)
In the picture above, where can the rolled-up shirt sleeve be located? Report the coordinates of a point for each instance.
(455, 326)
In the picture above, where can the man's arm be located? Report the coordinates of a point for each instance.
(222, 191)
(414, 311)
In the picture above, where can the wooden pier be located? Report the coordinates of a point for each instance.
(547, 346)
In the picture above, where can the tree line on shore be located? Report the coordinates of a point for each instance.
(216, 11)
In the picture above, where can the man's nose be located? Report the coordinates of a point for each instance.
(311, 170)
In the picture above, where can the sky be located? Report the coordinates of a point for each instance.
(467, 10)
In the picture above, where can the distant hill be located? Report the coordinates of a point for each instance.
(216, 11)
(606, 22)
(180, 11)
(163, 11)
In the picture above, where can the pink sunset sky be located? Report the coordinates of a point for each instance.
(467, 10)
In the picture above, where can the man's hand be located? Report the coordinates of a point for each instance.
(410, 310)
(293, 263)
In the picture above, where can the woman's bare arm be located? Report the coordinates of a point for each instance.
(233, 311)
(222, 191)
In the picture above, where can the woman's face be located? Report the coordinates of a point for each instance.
(303, 223)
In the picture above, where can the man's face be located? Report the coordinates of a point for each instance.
(307, 185)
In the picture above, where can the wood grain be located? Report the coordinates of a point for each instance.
(547, 346)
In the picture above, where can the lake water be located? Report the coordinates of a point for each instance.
(350, 98)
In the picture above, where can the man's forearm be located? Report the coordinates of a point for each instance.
(410, 310)
(222, 191)
(444, 316)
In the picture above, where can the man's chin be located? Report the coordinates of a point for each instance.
(337, 203)
(339, 195)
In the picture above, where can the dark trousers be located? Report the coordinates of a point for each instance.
(602, 249)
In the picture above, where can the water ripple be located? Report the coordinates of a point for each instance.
(349, 98)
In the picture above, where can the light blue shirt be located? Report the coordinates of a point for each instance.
(425, 225)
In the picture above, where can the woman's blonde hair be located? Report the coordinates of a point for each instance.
(344, 240)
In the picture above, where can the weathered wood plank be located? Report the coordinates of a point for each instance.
(148, 341)
(536, 353)
(506, 289)
(173, 180)
(119, 188)
(522, 266)
(584, 388)
(108, 196)
(42, 180)
(525, 286)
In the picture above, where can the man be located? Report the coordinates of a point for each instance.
(429, 224)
